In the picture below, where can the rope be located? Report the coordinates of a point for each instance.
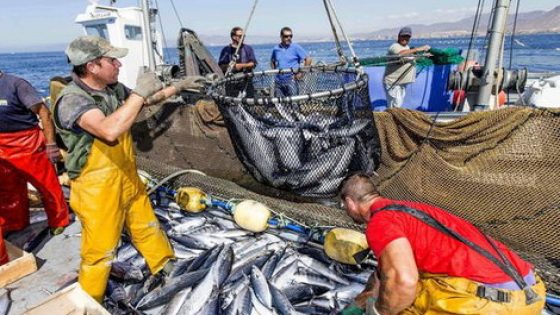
(162, 34)
(176, 13)
(236, 55)
(355, 59)
(476, 24)
(512, 39)
(339, 49)
(489, 25)
(170, 177)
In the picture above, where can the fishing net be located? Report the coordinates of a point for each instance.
(497, 169)
(300, 130)
(438, 56)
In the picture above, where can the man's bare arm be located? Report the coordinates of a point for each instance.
(398, 277)
(414, 50)
(46, 121)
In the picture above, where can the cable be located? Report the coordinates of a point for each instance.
(513, 34)
(162, 33)
(236, 54)
(476, 24)
(354, 57)
(176, 13)
(512, 39)
(171, 176)
(339, 49)
(489, 25)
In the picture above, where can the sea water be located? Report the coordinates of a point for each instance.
(539, 53)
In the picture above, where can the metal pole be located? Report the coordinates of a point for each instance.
(496, 37)
(148, 35)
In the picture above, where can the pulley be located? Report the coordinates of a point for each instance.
(469, 80)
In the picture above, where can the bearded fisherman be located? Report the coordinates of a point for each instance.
(94, 114)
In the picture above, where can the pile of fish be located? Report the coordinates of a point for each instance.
(5, 301)
(223, 269)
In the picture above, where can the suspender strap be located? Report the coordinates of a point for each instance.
(504, 264)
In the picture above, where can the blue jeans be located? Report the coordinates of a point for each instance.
(286, 88)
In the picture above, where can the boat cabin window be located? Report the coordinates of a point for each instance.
(98, 30)
(133, 32)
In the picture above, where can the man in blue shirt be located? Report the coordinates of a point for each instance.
(287, 55)
(245, 61)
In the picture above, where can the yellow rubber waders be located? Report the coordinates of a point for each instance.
(251, 215)
(191, 199)
(342, 244)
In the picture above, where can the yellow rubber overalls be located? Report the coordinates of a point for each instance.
(438, 294)
(106, 196)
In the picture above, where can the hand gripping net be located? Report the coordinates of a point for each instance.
(301, 130)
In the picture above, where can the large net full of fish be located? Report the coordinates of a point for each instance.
(303, 139)
(222, 269)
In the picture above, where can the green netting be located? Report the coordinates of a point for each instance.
(444, 56)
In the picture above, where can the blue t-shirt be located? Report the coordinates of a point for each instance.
(246, 55)
(286, 57)
(17, 97)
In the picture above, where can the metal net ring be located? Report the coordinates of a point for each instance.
(301, 130)
(357, 80)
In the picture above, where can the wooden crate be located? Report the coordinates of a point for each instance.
(20, 265)
(69, 301)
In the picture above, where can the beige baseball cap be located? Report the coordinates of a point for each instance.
(86, 48)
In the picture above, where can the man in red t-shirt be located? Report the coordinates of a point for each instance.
(426, 264)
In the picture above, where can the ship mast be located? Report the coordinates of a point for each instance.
(148, 32)
(497, 32)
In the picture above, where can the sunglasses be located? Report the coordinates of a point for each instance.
(288, 36)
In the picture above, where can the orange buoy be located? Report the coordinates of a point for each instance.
(501, 98)
(459, 97)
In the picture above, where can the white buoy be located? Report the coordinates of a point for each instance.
(252, 215)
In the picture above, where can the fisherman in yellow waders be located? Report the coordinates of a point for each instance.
(94, 114)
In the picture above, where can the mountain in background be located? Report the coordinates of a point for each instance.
(527, 23)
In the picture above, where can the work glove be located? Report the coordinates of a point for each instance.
(56, 230)
(194, 82)
(147, 84)
(53, 152)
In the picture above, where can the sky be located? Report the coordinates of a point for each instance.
(42, 24)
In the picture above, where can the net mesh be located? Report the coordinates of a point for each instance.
(312, 214)
(497, 169)
(301, 135)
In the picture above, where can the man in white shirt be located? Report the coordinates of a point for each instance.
(399, 74)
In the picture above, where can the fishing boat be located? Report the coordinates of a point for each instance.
(198, 134)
